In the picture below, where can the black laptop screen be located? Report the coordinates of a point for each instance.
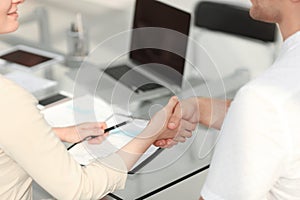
(151, 13)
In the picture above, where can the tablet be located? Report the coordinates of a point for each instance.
(28, 58)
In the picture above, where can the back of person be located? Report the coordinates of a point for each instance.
(280, 85)
(258, 152)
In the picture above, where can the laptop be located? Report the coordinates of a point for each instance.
(152, 72)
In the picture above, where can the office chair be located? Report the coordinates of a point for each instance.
(232, 19)
(233, 24)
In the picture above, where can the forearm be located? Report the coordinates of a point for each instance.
(62, 133)
(132, 151)
(213, 111)
(156, 130)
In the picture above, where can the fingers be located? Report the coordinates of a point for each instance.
(185, 131)
(169, 144)
(166, 143)
(90, 129)
(102, 125)
(160, 143)
(183, 134)
(179, 139)
(171, 106)
(187, 126)
(98, 140)
(94, 125)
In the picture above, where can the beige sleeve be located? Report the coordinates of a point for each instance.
(29, 140)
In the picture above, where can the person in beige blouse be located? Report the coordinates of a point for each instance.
(31, 149)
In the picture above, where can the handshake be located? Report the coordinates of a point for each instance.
(175, 122)
(178, 119)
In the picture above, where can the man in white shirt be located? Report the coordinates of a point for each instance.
(258, 152)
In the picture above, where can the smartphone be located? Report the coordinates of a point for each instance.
(52, 99)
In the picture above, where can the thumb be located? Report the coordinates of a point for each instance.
(169, 108)
(175, 118)
(173, 101)
(160, 120)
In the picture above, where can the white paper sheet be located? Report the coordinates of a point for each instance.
(86, 109)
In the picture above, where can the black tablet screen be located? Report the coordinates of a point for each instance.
(25, 58)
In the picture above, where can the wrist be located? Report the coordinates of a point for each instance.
(200, 105)
(213, 111)
(62, 133)
(149, 133)
(204, 107)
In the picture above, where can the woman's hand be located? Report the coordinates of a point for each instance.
(186, 114)
(159, 124)
(76, 133)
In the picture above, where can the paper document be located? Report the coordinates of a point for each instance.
(82, 110)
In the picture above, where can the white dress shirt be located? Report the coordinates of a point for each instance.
(257, 156)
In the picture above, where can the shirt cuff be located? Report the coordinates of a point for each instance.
(209, 195)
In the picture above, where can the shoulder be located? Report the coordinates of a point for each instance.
(276, 85)
(252, 94)
(13, 94)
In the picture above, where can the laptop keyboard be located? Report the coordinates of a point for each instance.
(149, 86)
(118, 72)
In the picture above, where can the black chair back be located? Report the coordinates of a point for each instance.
(233, 20)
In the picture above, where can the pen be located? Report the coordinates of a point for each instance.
(116, 126)
(105, 131)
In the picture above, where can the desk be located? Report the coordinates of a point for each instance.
(173, 167)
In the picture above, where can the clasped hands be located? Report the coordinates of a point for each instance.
(175, 122)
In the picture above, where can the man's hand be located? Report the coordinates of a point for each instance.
(186, 110)
(159, 123)
(178, 133)
(76, 133)
(209, 112)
